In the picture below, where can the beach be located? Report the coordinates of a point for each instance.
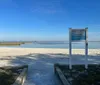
(8, 51)
(41, 61)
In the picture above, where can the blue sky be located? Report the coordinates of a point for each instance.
(48, 19)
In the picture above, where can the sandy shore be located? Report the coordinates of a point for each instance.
(24, 51)
(41, 61)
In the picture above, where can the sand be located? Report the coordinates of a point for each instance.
(24, 51)
(41, 61)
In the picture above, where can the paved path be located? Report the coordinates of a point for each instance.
(41, 70)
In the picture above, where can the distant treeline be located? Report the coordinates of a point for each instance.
(13, 43)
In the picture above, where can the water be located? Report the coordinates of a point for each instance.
(80, 45)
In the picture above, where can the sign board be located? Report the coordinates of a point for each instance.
(78, 34)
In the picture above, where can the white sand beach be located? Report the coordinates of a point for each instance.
(4, 51)
(41, 61)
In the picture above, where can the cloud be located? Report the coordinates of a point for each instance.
(46, 10)
(48, 6)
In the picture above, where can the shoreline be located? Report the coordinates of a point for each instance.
(9, 47)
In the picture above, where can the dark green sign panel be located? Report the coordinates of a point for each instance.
(78, 34)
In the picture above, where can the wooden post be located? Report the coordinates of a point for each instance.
(86, 48)
(21, 78)
(70, 48)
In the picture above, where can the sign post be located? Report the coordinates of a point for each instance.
(76, 35)
(70, 48)
(86, 49)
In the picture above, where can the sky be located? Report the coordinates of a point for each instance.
(48, 19)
